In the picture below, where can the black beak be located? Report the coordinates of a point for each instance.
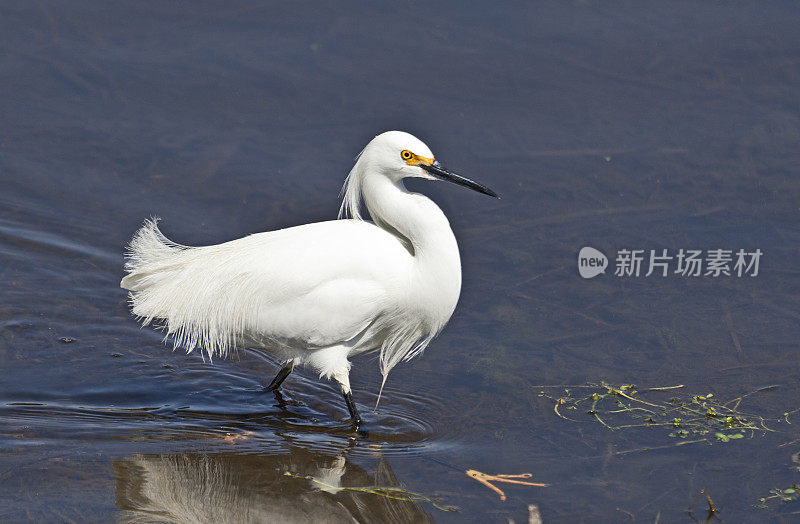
(441, 173)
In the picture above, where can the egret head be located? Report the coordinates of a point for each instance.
(398, 155)
(403, 155)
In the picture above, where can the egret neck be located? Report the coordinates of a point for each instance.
(425, 231)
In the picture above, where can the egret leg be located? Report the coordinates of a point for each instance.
(287, 368)
(343, 378)
(351, 407)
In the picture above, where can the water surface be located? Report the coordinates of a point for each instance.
(632, 126)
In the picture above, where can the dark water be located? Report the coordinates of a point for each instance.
(634, 125)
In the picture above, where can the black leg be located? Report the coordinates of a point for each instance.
(280, 377)
(351, 407)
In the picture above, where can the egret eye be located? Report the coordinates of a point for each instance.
(407, 155)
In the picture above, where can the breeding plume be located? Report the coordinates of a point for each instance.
(319, 293)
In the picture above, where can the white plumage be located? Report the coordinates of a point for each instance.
(318, 293)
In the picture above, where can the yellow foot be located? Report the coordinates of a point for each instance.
(231, 438)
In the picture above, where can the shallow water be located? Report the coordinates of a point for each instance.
(633, 126)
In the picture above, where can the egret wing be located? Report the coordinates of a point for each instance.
(303, 287)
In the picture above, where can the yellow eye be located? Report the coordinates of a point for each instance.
(407, 155)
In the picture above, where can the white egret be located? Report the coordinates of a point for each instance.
(319, 293)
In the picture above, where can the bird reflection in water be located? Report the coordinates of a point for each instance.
(231, 487)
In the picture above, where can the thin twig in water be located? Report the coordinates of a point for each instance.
(626, 452)
(759, 390)
(729, 325)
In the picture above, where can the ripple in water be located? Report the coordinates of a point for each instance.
(311, 415)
